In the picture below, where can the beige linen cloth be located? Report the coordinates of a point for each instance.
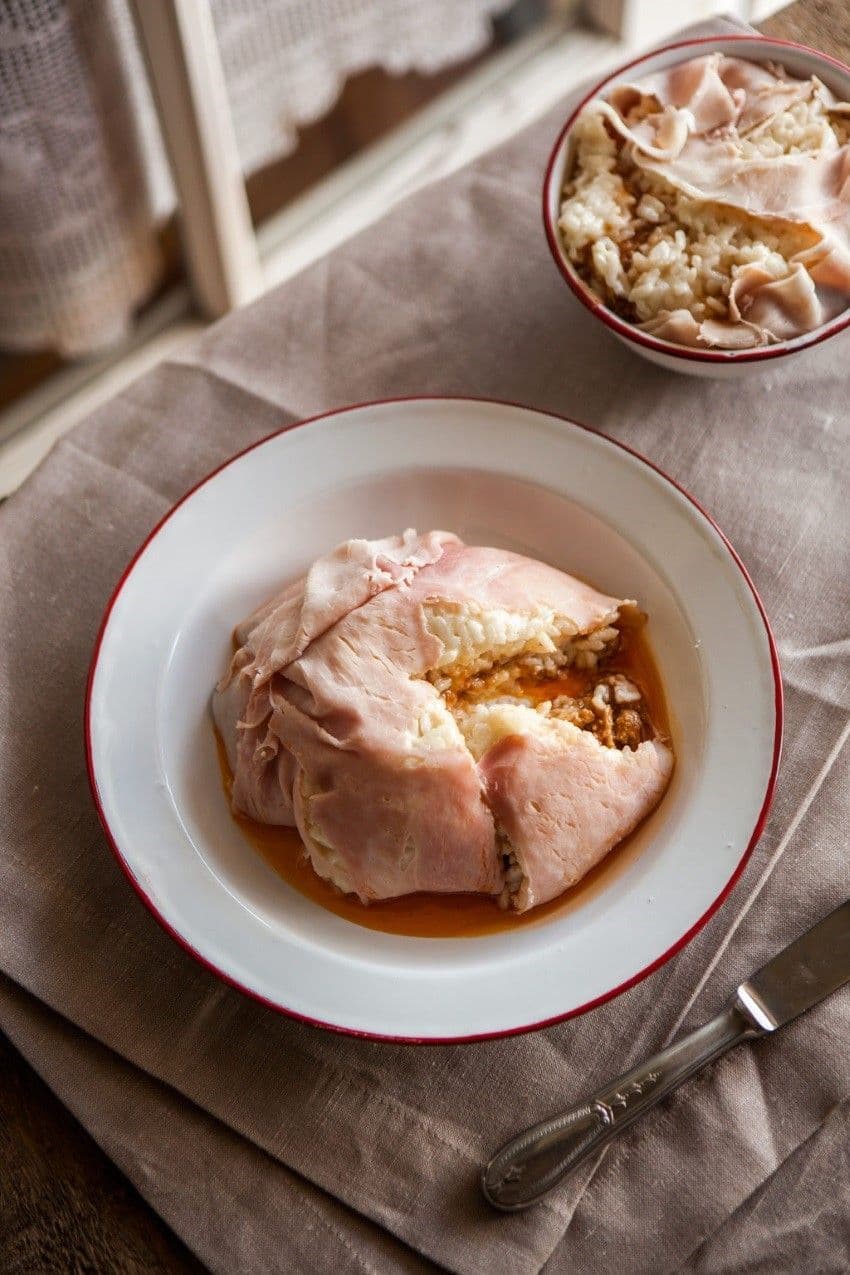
(269, 1145)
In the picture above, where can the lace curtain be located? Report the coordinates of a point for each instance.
(83, 177)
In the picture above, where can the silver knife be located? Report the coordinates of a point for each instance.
(812, 967)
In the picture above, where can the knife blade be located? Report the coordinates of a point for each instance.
(802, 974)
(812, 967)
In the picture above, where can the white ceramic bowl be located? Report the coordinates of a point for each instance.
(537, 484)
(796, 58)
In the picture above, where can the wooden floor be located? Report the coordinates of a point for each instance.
(63, 1205)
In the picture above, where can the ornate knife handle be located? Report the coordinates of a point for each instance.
(528, 1166)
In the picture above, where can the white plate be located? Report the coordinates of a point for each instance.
(498, 475)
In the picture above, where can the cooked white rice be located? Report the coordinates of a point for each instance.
(485, 653)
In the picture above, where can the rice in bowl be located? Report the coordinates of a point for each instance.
(710, 204)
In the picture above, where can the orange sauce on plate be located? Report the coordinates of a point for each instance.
(465, 915)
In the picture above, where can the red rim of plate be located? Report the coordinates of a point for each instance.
(437, 1040)
(598, 307)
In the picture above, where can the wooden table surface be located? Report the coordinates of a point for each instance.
(63, 1205)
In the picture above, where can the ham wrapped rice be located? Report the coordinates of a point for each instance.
(381, 704)
(709, 204)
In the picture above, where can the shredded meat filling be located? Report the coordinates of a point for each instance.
(614, 711)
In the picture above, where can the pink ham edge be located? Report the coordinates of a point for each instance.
(323, 739)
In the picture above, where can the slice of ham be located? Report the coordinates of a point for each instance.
(280, 630)
(692, 98)
(680, 327)
(782, 308)
(331, 724)
(335, 584)
(711, 95)
(660, 137)
(564, 802)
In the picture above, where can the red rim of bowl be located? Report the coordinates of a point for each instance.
(480, 1036)
(598, 307)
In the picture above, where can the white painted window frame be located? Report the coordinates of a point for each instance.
(181, 52)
